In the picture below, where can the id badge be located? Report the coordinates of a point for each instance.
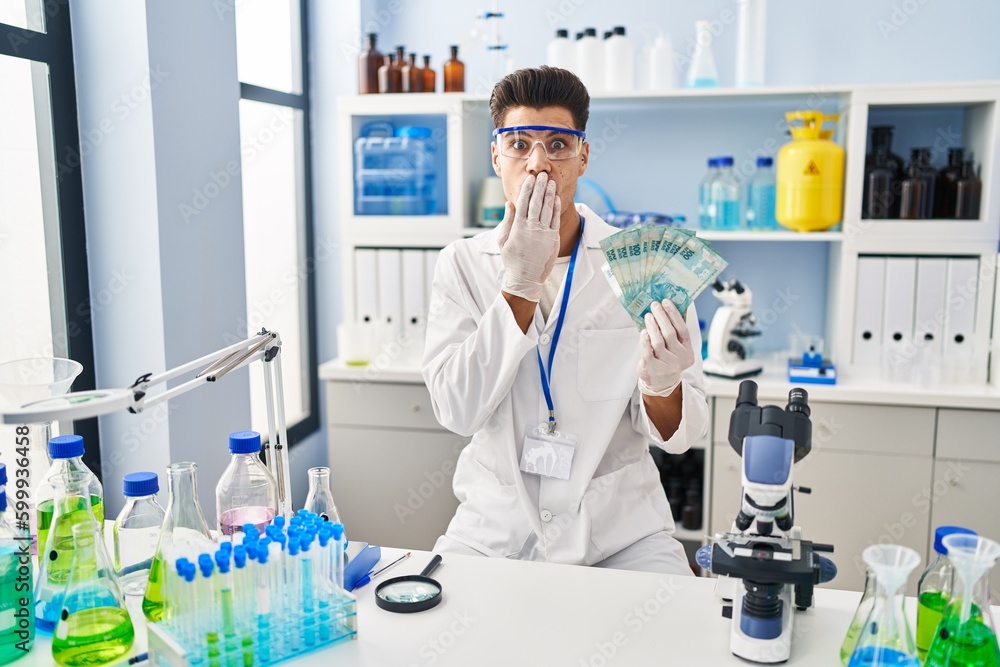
(548, 454)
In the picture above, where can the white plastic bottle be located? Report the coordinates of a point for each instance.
(661, 70)
(590, 61)
(750, 36)
(619, 62)
(702, 72)
(560, 51)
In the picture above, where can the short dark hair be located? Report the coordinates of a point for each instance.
(540, 87)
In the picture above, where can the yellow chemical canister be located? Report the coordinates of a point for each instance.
(810, 175)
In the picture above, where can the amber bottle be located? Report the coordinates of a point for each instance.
(430, 76)
(389, 80)
(368, 65)
(413, 76)
(454, 73)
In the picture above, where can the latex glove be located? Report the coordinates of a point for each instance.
(665, 350)
(529, 237)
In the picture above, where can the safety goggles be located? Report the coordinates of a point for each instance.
(559, 143)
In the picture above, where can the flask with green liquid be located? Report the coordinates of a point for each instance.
(184, 533)
(17, 611)
(94, 627)
(934, 589)
(966, 636)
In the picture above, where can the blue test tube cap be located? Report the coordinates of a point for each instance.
(293, 547)
(338, 530)
(226, 546)
(250, 529)
(240, 557)
(278, 521)
(222, 560)
(306, 542)
(324, 537)
(303, 512)
(190, 572)
(262, 553)
(206, 565)
(281, 539)
(181, 565)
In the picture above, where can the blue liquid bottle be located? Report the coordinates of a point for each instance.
(760, 197)
(705, 194)
(725, 201)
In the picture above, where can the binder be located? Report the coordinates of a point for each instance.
(897, 322)
(365, 286)
(414, 291)
(390, 290)
(430, 262)
(868, 311)
(960, 309)
(928, 314)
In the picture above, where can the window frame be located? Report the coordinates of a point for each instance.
(301, 101)
(54, 47)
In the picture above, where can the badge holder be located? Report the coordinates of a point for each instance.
(548, 452)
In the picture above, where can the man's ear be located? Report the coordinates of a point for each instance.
(495, 158)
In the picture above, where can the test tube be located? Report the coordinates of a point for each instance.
(206, 601)
(276, 584)
(262, 577)
(324, 586)
(338, 556)
(308, 591)
(293, 591)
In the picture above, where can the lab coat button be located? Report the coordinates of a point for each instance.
(544, 339)
(546, 516)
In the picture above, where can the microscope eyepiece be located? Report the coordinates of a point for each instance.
(747, 394)
(798, 401)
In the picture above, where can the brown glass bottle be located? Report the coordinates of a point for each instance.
(454, 73)
(389, 79)
(946, 203)
(430, 76)
(968, 194)
(368, 65)
(412, 76)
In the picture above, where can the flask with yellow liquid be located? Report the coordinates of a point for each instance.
(810, 174)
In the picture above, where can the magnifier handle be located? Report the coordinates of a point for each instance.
(431, 566)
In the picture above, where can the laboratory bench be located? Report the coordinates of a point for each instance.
(496, 611)
(889, 462)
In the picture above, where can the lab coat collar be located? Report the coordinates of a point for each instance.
(594, 231)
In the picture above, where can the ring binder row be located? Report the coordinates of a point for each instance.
(392, 289)
(914, 311)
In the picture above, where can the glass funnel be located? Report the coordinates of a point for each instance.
(966, 636)
(886, 638)
(320, 498)
(23, 381)
(94, 627)
(71, 507)
(184, 533)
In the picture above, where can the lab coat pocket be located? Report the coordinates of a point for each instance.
(607, 365)
(623, 508)
(490, 513)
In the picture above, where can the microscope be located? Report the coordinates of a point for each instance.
(765, 549)
(729, 350)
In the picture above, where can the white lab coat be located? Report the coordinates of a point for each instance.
(482, 372)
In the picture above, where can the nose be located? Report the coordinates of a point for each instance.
(538, 161)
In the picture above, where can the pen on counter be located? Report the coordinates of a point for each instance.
(371, 575)
(142, 657)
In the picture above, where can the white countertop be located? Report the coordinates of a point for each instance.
(772, 386)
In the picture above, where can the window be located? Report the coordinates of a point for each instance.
(272, 48)
(44, 286)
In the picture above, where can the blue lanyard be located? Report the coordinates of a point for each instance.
(555, 336)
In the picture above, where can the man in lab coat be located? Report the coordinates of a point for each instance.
(572, 482)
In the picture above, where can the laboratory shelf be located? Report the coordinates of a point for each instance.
(745, 235)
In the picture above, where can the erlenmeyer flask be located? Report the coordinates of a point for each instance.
(22, 381)
(967, 636)
(886, 638)
(860, 616)
(184, 533)
(72, 506)
(320, 498)
(94, 627)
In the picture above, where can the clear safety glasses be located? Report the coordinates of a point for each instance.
(559, 143)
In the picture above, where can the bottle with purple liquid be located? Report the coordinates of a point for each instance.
(247, 492)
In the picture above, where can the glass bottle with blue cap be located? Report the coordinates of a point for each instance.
(247, 492)
(137, 531)
(66, 452)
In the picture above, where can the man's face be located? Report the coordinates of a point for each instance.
(565, 173)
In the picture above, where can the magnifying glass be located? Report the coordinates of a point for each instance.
(410, 593)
